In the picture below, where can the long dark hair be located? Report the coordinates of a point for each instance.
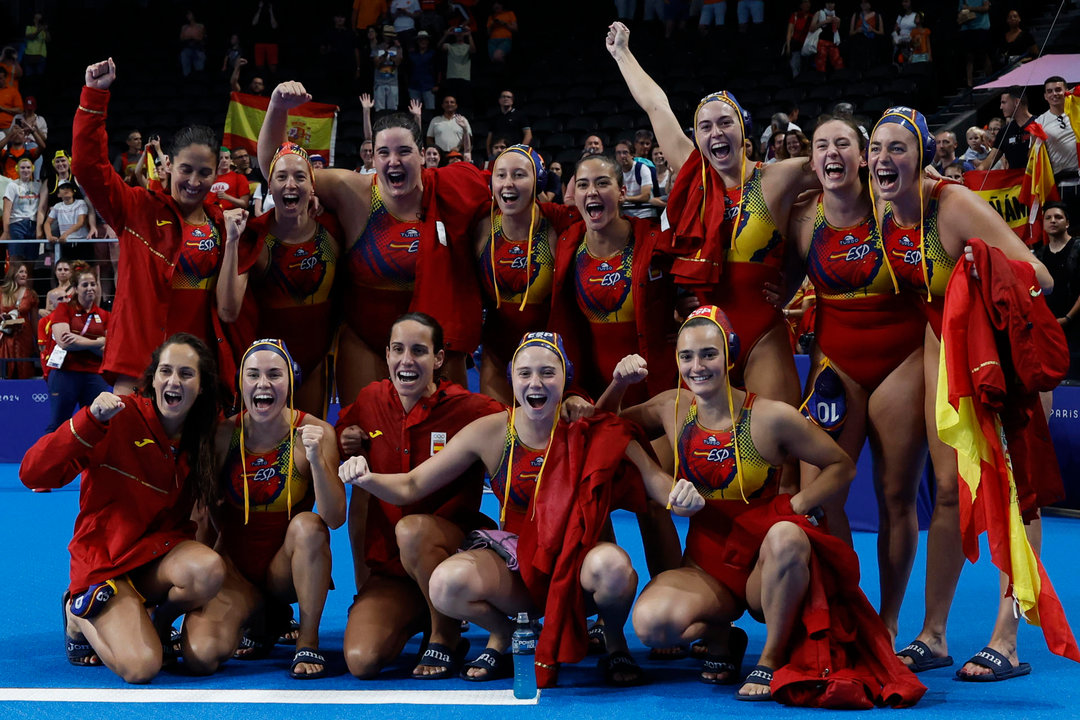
(197, 437)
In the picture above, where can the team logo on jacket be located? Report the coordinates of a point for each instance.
(438, 441)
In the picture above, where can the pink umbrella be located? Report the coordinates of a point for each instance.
(1036, 71)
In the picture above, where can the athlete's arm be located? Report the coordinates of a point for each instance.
(682, 497)
(319, 444)
(231, 284)
(465, 448)
(651, 98)
(963, 215)
(782, 433)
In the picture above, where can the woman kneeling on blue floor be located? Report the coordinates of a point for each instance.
(146, 459)
(754, 548)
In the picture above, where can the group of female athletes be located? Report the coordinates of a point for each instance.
(624, 365)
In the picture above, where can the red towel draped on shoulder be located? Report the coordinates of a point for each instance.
(693, 228)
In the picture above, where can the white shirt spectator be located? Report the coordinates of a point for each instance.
(767, 135)
(447, 133)
(24, 198)
(638, 179)
(67, 215)
(1060, 143)
(905, 23)
(404, 23)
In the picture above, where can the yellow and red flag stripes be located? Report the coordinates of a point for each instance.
(1002, 189)
(312, 126)
(988, 500)
(1039, 187)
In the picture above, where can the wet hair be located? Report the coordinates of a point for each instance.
(849, 121)
(427, 321)
(200, 425)
(1057, 205)
(195, 135)
(398, 120)
(608, 160)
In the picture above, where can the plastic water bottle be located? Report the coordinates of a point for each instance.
(523, 646)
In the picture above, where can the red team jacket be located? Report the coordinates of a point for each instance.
(134, 501)
(150, 232)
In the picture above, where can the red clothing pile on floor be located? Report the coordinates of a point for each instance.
(587, 476)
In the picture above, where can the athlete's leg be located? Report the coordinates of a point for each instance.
(898, 443)
(212, 632)
(387, 612)
(424, 542)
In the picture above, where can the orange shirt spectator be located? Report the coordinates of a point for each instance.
(497, 25)
(367, 13)
(11, 102)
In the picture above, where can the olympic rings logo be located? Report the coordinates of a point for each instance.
(41, 397)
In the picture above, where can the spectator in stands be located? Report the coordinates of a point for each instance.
(664, 179)
(977, 147)
(497, 147)
(11, 101)
(433, 157)
(712, 15)
(993, 127)
(643, 144)
(779, 122)
(78, 328)
(63, 290)
(18, 301)
(797, 30)
(32, 120)
(1061, 143)
(37, 47)
(21, 202)
(508, 122)
(1013, 140)
(70, 217)
(901, 35)
(230, 189)
(828, 44)
(386, 56)
(422, 73)
(776, 147)
(974, 36)
(337, 49)
(367, 157)
(796, 144)
(265, 35)
(318, 162)
(151, 172)
(920, 41)
(450, 131)
(256, 86)
(125, 162)
(404, 14)
(192, 46)
(233, 53)
(750, 11)
(946, 150)
(1015, 44)
(501, 26)
(594, 145)
(458, 62)
(9, 60)
(61, 172)
(241, 159)
(1061, 256)
(15, 147)
(638, 181)
(866, 32)
(955, 171)
(367, 13)
(552, 191)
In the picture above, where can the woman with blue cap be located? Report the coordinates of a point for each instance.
(515, 248)
(926, 227)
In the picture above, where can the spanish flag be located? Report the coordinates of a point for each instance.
(1002, 189)
(312, 126)
(971, 382)
(1039, 187)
